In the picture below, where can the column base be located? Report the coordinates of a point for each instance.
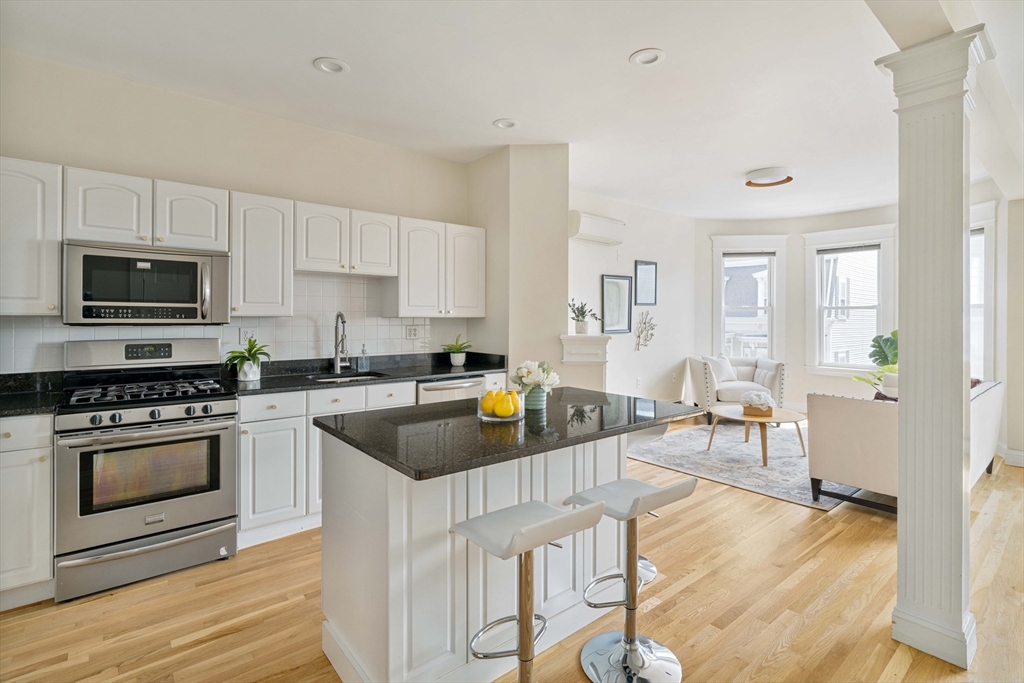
(956, 646)
(604, 660)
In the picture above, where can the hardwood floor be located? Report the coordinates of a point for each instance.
(749, 588)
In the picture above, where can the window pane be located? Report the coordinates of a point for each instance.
(747, 281)
(977, 273)
(846, 335)
(746, 332)
(978, 342)
(849, 278)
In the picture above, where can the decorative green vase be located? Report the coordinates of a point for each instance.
(536, 399)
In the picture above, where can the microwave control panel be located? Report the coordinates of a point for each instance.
(139, 313)
(143, 351)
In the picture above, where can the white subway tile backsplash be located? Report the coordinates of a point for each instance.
(35, 344)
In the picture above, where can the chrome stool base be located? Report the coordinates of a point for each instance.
(646, 569)
(605, 659)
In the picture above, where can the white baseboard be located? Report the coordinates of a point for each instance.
(956, 646)
(1013, 457)
(26, 595)
(272, 532)
(339, 656)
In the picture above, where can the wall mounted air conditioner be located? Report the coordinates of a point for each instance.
(591, 228)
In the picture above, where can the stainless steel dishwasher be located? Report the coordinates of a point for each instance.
(449, 390)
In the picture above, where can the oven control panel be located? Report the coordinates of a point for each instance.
(146, 351)
(125, 417)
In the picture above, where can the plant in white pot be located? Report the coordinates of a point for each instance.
(457, 351)
(247, 360)
(581, 315)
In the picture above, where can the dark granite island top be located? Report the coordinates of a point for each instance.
(409, 439)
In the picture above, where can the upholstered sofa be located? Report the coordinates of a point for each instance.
(853, 441)
(752, 374)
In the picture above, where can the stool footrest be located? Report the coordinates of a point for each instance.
(604, 579)
(504, 653)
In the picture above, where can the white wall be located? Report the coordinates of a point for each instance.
(489, 208)
(1015, 335)
(650, 236)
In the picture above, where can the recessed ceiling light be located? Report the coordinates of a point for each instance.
(769, 177)
(506, 124)
(648, 56)
(331, 65)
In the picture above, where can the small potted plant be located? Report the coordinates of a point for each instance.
(580, 313)
(247, 360)
(885, 354)
(457, 351)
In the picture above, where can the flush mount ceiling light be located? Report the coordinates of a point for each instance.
(647, 57)
(331, 65)
(506, 124)
(769, 177)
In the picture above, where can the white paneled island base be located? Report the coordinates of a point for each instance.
(402, 596)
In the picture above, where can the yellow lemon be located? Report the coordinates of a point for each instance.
(487, 403)
(504, 408)
(515, 400)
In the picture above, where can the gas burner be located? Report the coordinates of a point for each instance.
(140, 391)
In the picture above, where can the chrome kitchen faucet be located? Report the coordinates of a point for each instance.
(339, 344)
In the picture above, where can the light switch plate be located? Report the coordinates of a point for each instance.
(245, 334)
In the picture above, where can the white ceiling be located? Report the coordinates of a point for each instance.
(745, 85)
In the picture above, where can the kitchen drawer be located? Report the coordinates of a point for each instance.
(337, 400)
(273, 406)
(495, 381)
(390, 395)
(26, 431)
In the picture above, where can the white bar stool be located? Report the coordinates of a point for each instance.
(626, 656)
(516, 531)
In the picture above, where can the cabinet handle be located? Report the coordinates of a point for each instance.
(51, 307)
(245, 431)
(449, 312)
(143, 238)
(391, 395)
(160, 239)
(42, 458)
(273, 406)
(354, 267)
(235, 308)
(7, 435)
(336, 400)
(343, 265)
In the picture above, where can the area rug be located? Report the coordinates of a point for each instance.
(733, 462)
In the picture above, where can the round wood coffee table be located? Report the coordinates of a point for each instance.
(779, 415)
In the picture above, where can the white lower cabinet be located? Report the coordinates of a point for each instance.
(273, 471)
(26, 516)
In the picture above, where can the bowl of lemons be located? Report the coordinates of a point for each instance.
(500, 406)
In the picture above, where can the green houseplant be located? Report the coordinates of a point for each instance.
(580, 314)
(247, 360)
(885, 355)
(457, 350)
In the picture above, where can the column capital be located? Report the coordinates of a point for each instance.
(939, 68)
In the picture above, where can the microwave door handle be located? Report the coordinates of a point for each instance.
(204, 286)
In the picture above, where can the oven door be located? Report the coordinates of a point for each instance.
(115, 486)
(115, 286)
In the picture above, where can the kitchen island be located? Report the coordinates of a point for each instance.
(401, 595)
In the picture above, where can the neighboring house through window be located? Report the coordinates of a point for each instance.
(749, 295)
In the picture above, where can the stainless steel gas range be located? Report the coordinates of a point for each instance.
(144, 475)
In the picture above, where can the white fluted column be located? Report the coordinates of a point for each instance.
(931, 81)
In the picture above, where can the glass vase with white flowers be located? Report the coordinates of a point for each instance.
(536, 380)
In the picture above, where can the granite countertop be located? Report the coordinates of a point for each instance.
(276, 384)
(406, 439)
(29, 393)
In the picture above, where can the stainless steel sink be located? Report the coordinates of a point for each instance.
(345, 377)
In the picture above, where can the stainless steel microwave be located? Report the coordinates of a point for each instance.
(125, 286)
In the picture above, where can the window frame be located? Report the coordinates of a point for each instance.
(983, 217)
(882, 235)
(726, 245)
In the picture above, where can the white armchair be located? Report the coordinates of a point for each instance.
(752, 374)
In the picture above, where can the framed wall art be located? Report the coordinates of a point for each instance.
(616, 303)
(646, 283)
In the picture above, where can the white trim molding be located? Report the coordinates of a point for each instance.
(882, 235)
(726, 244)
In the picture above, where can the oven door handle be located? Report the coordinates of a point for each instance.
(122, 438)
(96, 559)
(204, 286)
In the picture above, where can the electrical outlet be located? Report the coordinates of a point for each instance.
(414, 332)
(673, 377)
(637, 382)
(245, 334)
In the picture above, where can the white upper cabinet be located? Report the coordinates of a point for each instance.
(321, 238)
(374, 244)
(107, 207)
(421, 254)
(465, 274)
(190, 216)
(30, 204)
(262, 268)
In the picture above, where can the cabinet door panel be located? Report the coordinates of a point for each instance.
(30, 204)
(374, 243)
(26, 514)
(421, 253)
(558, 571)
(465, 288)
(321, 238)
(314, 468)
(273, 459)
(107, 207)
(262, 268)
(191, 216)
